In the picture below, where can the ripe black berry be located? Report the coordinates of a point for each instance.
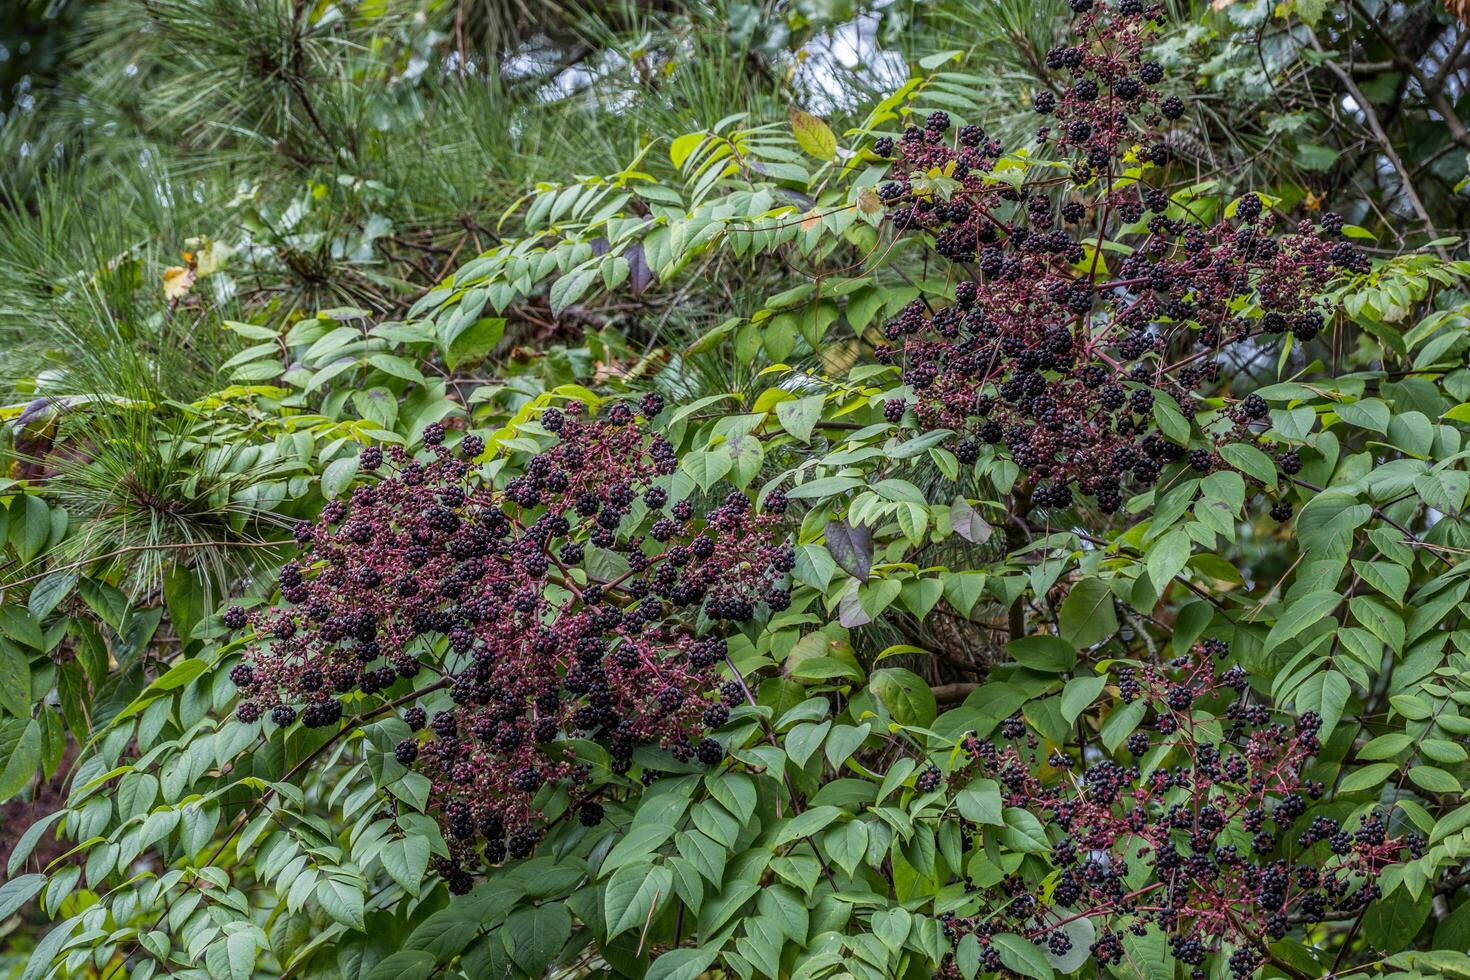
(709, 751)
(928, 780)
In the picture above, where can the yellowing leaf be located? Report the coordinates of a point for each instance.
(869, 206)
(813, 135)
(177, 281)
(680, 149)
(210, 256)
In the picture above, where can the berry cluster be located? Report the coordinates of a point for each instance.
(575, 601)
(1199, 830)
(1088, 307)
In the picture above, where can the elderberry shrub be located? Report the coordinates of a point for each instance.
(537, 642)
(1060, 350)
(1200, 830)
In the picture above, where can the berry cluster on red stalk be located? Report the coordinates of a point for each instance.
(1200, 829)
(1088, 304)
(573, 602)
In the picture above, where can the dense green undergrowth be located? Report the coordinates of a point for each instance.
(780, 547)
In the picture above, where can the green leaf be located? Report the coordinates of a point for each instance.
(805, 739)
(1370, 413)
(569, 288)
(1082, 933)
(844, 741)
(342, 900)
(240, 948)
(534, 936)
(1023, 832)
(1434, 779)
(1380, 620)
(30, 528)
(406, 860)
(405, 964)
(800, 416)
(980, 802)
(847, 844)
(640, 841)
(1386, 746)
(682, 964)
(179, 674)
(20, 751)
(17, 891)
(735, 791)
(1327, 694)
(1327, 521)
(398, 367)
(707, 468)
(15, 679)
(1079, 693)
(49, 592)
(1121, 722)
(1046, 653)
(32, 836)
(1443, 750)
(1367, 777)
(967, 956)
(18, 624)
(1250, 461)
(1022, 955)
(718, 910)
(1391, 922)
(1087, 614)
(1167, 557)
(805, 824)
(476, 341)
(699, 850)
(1388, 578)
(1172, 422)
(615, 269)
(891, 926)
(338, 476)
(45, 951)
(683, 146)
(1303, 612)
(1442, 489)
(905, 694)
(634, 895)
(1434, 962)
(827, 486)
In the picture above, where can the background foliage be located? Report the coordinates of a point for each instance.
(244, 238)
